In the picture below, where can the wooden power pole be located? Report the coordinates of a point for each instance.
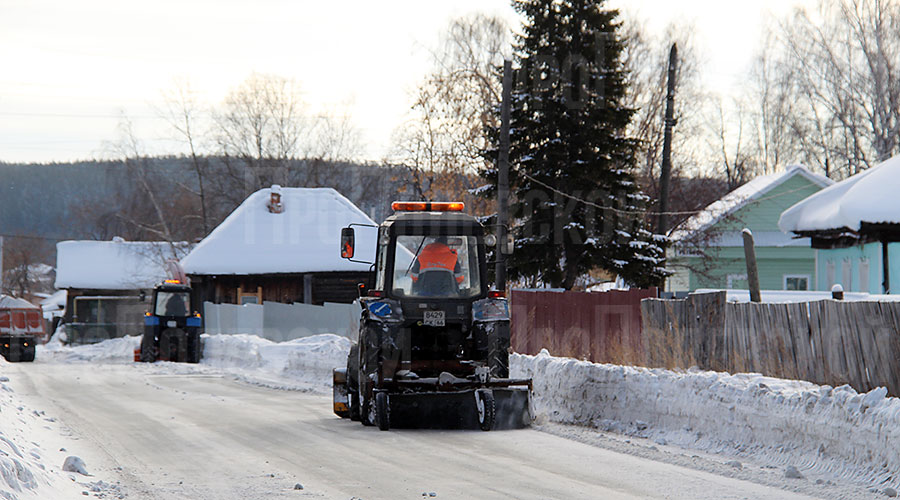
(503, 178)
(666, 170)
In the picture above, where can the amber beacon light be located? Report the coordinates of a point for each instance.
(428, 206)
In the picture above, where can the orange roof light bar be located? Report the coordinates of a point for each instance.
(428, 206)
(176, 282)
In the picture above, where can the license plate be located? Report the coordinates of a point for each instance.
(171, 324)
(434, 318)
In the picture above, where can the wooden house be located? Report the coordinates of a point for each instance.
(282, 245)
(707, 249)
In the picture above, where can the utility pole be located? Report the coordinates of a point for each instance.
(1, 265)
(503, 178)
(666, 170)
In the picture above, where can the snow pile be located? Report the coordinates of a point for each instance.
(307, 361)
(818, 428)
(27, 469)
(303, 364)
(118, 350)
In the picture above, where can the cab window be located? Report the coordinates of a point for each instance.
(436, 266)
(172, 303)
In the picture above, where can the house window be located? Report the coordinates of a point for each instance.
(847, 275)
(247, 297)
(736, 281)
(863, 275)
(796, 282)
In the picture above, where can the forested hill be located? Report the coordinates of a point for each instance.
(95, 199)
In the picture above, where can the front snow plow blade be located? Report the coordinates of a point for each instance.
(16, 348)
(465, 409)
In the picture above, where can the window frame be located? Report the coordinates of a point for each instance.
(786, 277)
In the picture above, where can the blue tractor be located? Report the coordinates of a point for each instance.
(171, 329)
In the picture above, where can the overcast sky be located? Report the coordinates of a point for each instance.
(70, 69)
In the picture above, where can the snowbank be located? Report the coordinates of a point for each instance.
(30, 456)
(303, 364)
(816, 428)
(306, 361)
(119, 350)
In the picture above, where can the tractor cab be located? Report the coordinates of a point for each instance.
(171, 326)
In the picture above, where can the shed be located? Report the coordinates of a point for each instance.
(707, 249)
(282, 245)
(107, 284)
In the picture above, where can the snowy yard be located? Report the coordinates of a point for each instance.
(841, 443)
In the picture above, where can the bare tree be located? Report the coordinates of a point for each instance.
(262, 126)
(337, 139)
(182, 112)
(442, 145)
(772, 93)
(25, 268)
(845, 64)
(154, 207)
(730, 142)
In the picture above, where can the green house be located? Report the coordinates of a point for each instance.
(707, 250)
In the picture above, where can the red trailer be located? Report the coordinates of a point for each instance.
(21, 327)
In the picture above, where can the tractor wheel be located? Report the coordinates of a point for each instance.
(366, 407)
(484, 402)
(148, 349)
(382, 411)
(194, 347)
(354, 406)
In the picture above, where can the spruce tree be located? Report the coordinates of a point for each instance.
(574, 204)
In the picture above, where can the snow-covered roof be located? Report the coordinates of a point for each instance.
(870, 196)
(304, 237)
(738, 198)
(55, 300)
(8, 302)
(114, 265)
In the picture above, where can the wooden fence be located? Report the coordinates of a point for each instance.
(825, 342)
(604, 327)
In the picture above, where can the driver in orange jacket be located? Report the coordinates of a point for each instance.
(437, 255)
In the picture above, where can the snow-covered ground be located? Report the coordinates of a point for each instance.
(34, 460)
(823, 432)
(818, 430)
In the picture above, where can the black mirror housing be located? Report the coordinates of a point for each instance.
(348, 243)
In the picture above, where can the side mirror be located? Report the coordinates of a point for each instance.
(348, 242)
(506, 247)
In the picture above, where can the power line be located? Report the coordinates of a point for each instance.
(648, 212)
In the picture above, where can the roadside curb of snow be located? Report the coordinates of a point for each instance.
(834, 431)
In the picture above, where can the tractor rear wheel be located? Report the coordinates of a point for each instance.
(382, 411)
(354, 406)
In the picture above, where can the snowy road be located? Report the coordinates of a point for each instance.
(209, 437)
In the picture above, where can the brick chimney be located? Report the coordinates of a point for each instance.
(275, 206)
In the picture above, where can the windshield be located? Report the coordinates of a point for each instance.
(436, 266)
(172, 303)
